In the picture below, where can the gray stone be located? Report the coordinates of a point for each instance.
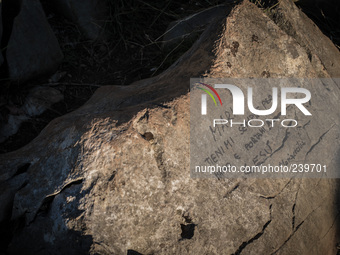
(113, 176)
(32, 49)
(89, 15)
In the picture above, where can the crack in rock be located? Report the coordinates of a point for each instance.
(232, 190)
(320, 138)
(289, 237)
(285, 138)
(47, 201)
(295, 230)
(294, 206)
(334, 222)
(255, 237)
(277, 194)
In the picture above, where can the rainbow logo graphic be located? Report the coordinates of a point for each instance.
(204, 97)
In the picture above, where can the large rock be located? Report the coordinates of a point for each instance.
(113, 177)
(32, 49)
(89, 15)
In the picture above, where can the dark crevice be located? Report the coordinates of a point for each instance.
(294, 228)
(257, 236)
(187, 231)
(293, 218)
(298, 226)
(47, 202)
(269, 197)
(293, 209)
(283, 142)
(235, 187)
(289, 237)
(161, 105)
(274, 196)
(145, 116)
(309, 54)
(187, 219)
(148, 136)
(320, 138)
(112, 177)
(304, 126)
(188, 228)
(45, 206)
(133, 252)
(22, 169)
(23, 185)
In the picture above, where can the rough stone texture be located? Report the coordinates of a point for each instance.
(113, 176)
(89, 15)
(32, 48)
(320, 49)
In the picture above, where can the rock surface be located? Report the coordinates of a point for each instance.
(290, 19)
(88, 15)
(32, 48)
(113, 176)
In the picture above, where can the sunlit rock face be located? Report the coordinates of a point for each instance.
(113, 176)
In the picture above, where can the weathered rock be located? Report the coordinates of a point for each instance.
(296, 24)
(113, 176)
(88, 15)
(32, 48)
